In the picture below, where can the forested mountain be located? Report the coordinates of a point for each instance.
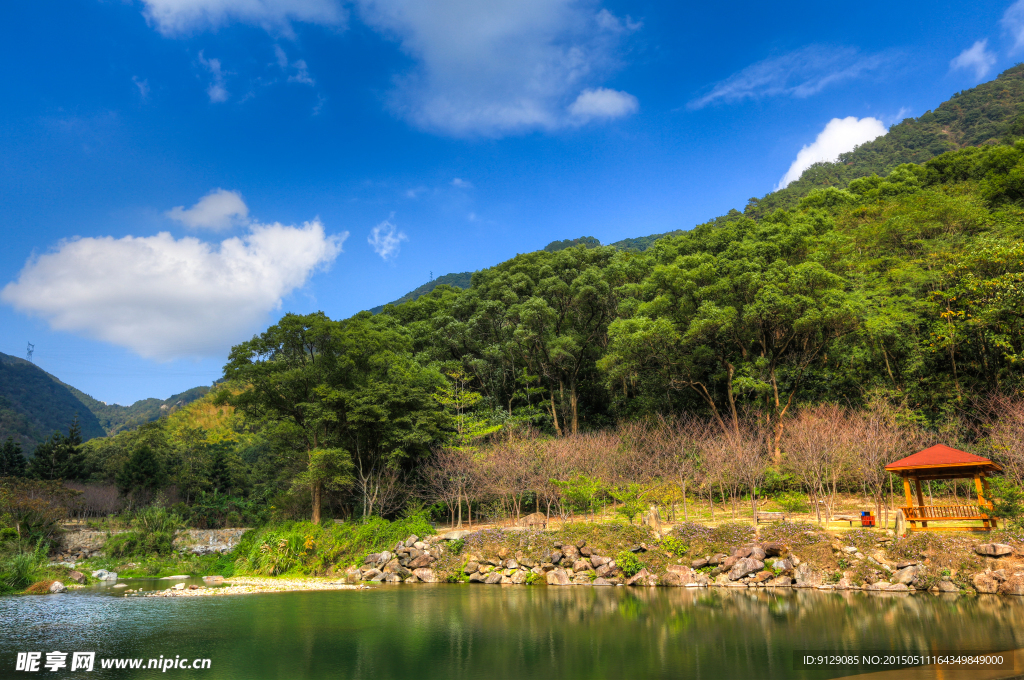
(588, 241)
(459, 280)
(990, 113)
(117, 418)
(34, 404)
(901, 294)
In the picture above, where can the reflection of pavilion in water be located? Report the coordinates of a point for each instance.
(943, 462)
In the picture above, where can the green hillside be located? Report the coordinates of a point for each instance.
(990, 113)
(117, 418)
(34, 404)
(588, 241)
(459, 280)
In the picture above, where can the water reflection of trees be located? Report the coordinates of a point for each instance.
(647, 632)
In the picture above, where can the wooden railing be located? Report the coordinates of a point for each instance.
(926, 512)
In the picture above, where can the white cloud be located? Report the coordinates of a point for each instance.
(143, 86)
(603, 103)
(385, 239)
(975, 57)
(1013, 24)
(839, 136)
(495, 67)
(216, 90)
(180, 17)
(299, 67)
(460, 183)
(800, 73)
(218, 209)
(167, 298)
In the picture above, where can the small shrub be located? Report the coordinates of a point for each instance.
(791, 501)
(534, 579)
(629, 563)
(674, 546)
(39, 588)
(18, 570)
(455, 547)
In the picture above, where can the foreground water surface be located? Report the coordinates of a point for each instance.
(472, 631)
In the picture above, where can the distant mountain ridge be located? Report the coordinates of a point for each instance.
(35, 404)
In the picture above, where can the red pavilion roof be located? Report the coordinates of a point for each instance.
(938, 456)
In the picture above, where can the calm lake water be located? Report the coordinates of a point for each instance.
(449, 632)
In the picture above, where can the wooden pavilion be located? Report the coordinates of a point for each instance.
(944, 462)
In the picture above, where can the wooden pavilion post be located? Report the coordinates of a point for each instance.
(920, 499)
(910, 498)
(981, 484)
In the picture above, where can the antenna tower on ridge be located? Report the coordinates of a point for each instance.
(28, 352)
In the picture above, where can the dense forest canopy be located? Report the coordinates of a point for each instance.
(885, 298)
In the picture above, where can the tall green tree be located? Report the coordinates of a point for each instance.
(60, 457)
(12, 462)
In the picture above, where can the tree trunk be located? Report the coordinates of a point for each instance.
(554, 416)
(573, 403)
(316, 487)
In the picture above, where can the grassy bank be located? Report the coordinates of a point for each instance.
(304, 548)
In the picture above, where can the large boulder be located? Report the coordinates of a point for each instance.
(58, 587)
(780, 581)
(411, 541)
(599, 561)
(948, 587)
(426, 575)
(906, 575)
(456, 535)
(476, 577)
(423, 560)
(743, 567)
(773, 549)
(581, 578)
(471, 567)
(1012, 586)
(557, 577)
(537, 520)
(520, 577)
(685, 574)
(493, 578)
(805, 577)
(601, 582)
(642, 578)
(581, 565)
(757, 553)
(76, 576)
(697, 564)
(670, 579)
(994, 549)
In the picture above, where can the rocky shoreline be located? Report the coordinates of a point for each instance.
(767, 564)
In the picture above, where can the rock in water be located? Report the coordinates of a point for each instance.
(906, 575)
(77, 576)
(179, 586)
(425, 575)
(743, 567)
(1012, 586)
(557, 577)
(58, 587)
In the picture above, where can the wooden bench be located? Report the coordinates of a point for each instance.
(770, 516)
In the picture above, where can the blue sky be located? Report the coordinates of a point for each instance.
(176, 174)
